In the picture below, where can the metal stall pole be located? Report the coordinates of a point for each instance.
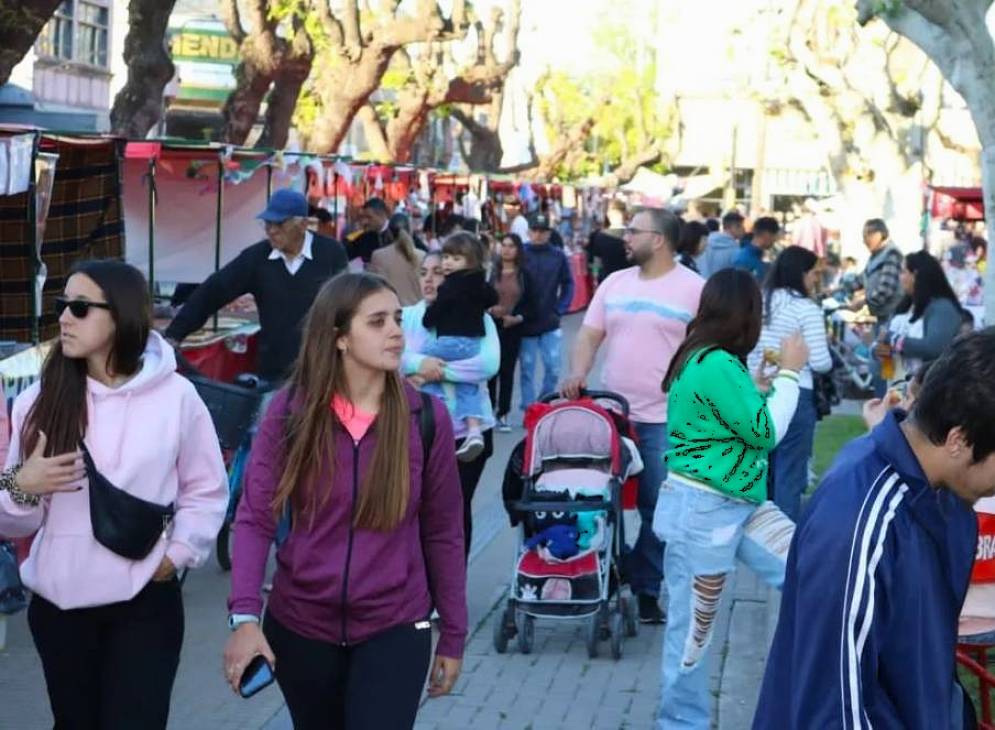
(37, 297)
(335, 202)
(217, 225)
(152, 197)
(269, 182)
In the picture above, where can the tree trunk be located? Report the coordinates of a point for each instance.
(404, 128)
(344, 90)
(375, 137)
(138, 106)
(988, 186)
(20, 24)
(253, 77)
(283, 100)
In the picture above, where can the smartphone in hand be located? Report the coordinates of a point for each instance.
(257, 676)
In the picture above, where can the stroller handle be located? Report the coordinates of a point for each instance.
(593, 395)
(564, 507)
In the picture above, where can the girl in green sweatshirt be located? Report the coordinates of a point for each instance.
(723, 422)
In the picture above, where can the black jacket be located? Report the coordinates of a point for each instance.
(608, 246)
(526, 307)
(458, 310)
(362, 244)
(282, 299)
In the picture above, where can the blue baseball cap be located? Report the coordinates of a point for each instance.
(284, 204)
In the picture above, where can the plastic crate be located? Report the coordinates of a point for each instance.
(233, 409)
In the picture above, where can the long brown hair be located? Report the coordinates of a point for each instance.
(400, 227)
(311, 430)
(60, 409)
(729, 318)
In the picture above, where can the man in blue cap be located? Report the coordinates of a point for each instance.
(283, 273)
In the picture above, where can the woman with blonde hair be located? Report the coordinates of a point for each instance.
(399, 262)
(375, 535)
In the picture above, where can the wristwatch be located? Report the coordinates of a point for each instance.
(237, 619)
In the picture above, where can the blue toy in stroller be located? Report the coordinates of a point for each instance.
(563, 486)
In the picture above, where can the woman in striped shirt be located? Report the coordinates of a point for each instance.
(789, 308)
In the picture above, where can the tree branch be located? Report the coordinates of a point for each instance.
(352, 34)
(259, 15)
(373, 128)
(332, 27)
(233, 20)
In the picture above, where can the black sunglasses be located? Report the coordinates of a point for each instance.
(79, 308)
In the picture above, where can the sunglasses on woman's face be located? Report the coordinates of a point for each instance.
(79, 308)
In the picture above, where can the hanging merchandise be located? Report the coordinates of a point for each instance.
(19, 167)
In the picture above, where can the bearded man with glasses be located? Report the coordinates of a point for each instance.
(639, 317)
(283, 273)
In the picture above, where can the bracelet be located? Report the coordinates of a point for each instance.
(8, 484)
(789, 374)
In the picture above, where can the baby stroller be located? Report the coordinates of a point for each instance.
(564, 486)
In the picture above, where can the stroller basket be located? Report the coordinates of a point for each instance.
(233, 409)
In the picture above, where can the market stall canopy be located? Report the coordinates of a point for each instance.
(962, 204)
(651, 184)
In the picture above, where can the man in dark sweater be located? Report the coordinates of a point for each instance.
(374, 231)
(542, 337)
(283, 274)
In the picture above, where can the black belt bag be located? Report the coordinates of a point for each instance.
(122, 522)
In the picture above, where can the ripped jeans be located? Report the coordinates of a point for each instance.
(705, 533)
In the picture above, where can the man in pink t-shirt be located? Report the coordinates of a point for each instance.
(637, 319)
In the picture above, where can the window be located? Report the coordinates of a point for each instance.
(78, 32)
(57, 39)
(91, 33)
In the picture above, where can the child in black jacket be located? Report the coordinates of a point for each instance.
(457, 316)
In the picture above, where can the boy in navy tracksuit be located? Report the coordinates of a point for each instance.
(880, 564)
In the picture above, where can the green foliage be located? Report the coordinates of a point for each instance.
(635, 116)
(307, 110)
(633, 119)
(281, 10)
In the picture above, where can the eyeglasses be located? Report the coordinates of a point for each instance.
(79, 308)
(630, 231)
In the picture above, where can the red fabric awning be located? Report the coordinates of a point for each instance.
(962, 204)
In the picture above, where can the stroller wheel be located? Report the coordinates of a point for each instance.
(501, 631)
(617, 622)
(593, 634)
(526, 633)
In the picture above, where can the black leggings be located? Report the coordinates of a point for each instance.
(375, 685)
(501, 385)
(108, 665)
(469, 477)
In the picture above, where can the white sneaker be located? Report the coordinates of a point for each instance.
(472, 447)
(503, 426)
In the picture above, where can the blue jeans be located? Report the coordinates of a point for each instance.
(791, 457)
(644, 563)
(468, 398)
(705, 533)
(547, 346)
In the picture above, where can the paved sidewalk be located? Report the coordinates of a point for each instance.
(558, 687)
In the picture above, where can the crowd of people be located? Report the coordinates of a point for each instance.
(393, 357)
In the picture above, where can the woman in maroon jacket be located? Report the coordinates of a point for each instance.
(376, 538)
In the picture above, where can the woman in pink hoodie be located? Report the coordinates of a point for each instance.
(376, 534)
(108, 628)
